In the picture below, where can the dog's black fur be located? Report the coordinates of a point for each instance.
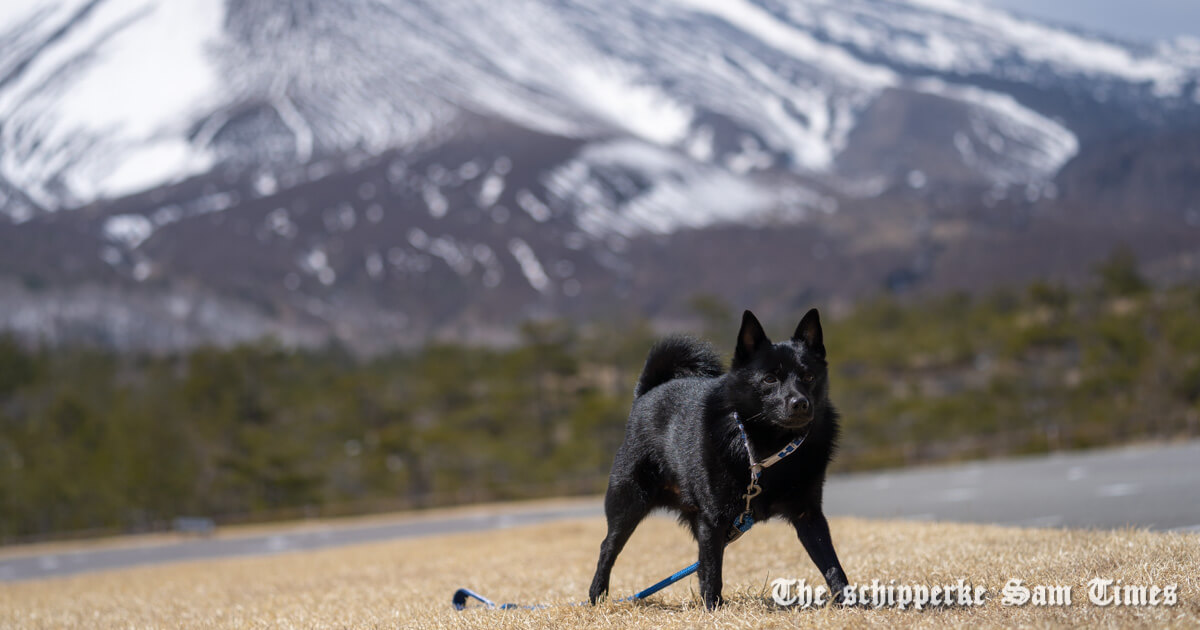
(682, 450)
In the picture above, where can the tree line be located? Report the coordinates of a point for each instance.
(96, 441)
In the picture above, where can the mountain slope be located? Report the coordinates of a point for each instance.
(349, 167)
(165, 88)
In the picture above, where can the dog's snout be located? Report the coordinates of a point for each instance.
(798, 404)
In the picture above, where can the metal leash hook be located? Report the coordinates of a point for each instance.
(463, 595)
(752, 490)
(756, 468)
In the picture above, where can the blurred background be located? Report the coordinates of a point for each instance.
(264, 259)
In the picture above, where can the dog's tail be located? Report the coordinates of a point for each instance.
(677, 357)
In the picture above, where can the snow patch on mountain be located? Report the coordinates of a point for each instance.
(530, 265)
(673, 192)
(968, 37)
(129, 230)
(1066, 50)
(105, 111)
(1025, 146)
(762, 25)
(616, 96)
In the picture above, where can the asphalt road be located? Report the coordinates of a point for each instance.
(1151, 486)
(1148, 486)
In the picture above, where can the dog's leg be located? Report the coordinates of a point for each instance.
(712, 554)
(625, 506)
(813, 531)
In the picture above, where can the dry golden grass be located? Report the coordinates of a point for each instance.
(408, 583)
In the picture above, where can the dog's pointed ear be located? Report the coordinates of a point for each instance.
(751, 338)
(808, 332)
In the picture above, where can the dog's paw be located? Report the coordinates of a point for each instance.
(836, 580)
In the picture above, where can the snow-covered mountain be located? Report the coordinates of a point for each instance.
(359, 144)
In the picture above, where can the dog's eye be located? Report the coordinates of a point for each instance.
(770, 379)
(808, 378)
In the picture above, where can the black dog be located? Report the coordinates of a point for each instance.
(683, 450)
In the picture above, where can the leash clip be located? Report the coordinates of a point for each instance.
(756, 467)
(752, 491)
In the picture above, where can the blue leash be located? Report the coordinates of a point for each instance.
(740, 526)
(463, 595)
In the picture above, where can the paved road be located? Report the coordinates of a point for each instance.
(331, 535)
(1151, 486)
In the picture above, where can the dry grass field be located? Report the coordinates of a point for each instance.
(408, 583)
